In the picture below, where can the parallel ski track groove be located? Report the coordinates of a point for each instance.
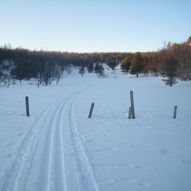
(53, 172)
(8, 180)
(84, 168)
(51, 138)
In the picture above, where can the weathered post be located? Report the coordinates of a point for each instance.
(175, 112)
(130, 113)
(27, 106)
(91, 110)
(132, 105)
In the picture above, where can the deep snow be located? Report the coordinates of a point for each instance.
(59, 148)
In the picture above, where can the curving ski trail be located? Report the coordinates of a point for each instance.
(52, 156)
(28, 144)
(83, 165)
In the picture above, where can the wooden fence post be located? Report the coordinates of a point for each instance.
(27, 106)
(130, 113)
(91, 110)
(132, 105)
(175, 112)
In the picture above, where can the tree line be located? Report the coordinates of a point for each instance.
(173, 61)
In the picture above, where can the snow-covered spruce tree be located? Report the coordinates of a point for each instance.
(170, 70)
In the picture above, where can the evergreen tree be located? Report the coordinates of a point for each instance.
(112, 63)
(170, 70)
(99, 70)
(90, 67)
(126, 64)
(137, 64)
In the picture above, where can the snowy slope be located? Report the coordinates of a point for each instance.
(59, 148)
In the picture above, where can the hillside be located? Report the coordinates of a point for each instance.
(172, 61)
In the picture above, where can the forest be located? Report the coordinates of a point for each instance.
(173, 62)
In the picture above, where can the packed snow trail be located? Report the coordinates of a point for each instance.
(29, 144)
(82, 159)
(51, 156)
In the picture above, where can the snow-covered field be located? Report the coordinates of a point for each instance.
(59, 148)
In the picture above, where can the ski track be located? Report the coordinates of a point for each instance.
(83, 164)
(28, 143)
(65, 165)
(56, 179)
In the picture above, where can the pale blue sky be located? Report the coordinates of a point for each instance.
(94, 25)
